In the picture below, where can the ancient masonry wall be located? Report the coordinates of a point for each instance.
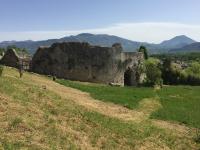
(83, 62)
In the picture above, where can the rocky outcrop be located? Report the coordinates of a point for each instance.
(83, 62)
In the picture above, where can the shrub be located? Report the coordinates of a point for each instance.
(194, 68)
(197, 137)
(153, 73)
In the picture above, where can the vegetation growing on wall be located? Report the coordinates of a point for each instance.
(151, 68)
(144, 51)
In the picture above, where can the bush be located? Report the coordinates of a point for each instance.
(1, 70)
(153, 73)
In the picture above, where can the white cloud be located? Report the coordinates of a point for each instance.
(154, 32)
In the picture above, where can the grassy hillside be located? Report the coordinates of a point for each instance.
(179, 103)
(33, 115)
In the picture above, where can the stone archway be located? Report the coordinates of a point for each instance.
(129, 77)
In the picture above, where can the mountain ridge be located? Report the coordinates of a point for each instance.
(194, 47)
(105, 40)
(177, 42)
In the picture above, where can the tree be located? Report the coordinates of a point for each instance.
(144, 51)
(153, 73)
(168, 73)
(2, 50)
(194, 69)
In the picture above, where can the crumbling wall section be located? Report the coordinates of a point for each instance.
(131, 61)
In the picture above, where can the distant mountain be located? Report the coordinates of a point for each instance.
(194, 47)
(104, 40)
(177, 42)
(99, 39)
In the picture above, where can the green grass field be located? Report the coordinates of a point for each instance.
(128, 97)
(179, 103)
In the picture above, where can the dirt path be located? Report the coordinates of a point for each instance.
(84, 99)
(146, 106)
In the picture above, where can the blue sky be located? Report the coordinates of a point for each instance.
(132, 19)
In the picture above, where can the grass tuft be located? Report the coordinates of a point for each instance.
(15, 122)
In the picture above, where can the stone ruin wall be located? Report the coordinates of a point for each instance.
(83, 62)
(10, 58)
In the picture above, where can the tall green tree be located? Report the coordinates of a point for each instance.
(170, 74)
(144, 51)
(2, 50)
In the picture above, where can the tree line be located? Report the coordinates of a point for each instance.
(162, 69)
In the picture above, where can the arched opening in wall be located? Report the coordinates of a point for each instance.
(128, 77)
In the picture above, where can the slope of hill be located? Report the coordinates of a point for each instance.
(104, 40)
(37, 113)
(194, 47)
